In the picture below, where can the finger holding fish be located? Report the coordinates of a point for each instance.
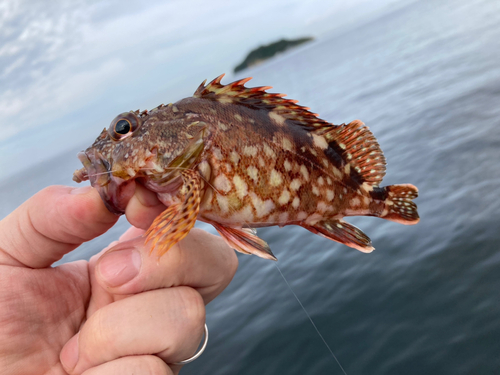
(201, 260)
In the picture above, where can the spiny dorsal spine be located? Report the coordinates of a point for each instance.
(258, 98)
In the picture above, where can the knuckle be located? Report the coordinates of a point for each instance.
(193, 307)
(98, 332)
(152, 365)
(232, 265)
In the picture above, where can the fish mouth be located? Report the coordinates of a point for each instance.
(114, 191)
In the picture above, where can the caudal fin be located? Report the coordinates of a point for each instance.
(399, 206)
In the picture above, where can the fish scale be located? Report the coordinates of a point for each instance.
(240, 158)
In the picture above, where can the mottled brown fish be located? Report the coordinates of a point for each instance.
(240, 158)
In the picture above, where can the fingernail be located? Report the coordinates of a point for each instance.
(119, 266)
(82, 190)
(69, 354)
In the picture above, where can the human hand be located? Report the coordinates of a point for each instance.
(97, 317)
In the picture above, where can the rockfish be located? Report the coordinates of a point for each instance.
(241, 158)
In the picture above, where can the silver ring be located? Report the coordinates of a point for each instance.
(200, 352)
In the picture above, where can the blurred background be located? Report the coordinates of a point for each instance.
(423, 75)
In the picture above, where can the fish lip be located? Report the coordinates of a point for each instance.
(98, 170)
(113, 190)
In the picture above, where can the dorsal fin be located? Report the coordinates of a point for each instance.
(358, 147)
(258, 98)
(354, 142)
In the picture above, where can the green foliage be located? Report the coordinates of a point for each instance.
(266, 52)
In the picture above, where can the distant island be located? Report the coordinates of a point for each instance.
(266, 52)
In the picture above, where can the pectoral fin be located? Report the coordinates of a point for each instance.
(245, 241)
(173, 224)
(343, 232)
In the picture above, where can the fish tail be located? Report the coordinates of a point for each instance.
(399, 206)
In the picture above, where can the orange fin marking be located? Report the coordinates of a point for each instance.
(258, 98)
(173, 224)
(245, 241)
(358, 147)
(343, 232)
(399, 205)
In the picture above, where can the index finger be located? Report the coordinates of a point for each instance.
(50, 224)
(201, 261)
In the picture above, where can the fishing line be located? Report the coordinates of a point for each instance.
(310, 319)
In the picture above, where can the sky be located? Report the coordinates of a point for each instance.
(68, 67)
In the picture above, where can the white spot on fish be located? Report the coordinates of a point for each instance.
(222, 126)
(234, 157)
(329, 195)
(315, 191)
(253, 173)
(275, 179)
(314, 218)
(207, 199)
(295, 184)
(288, 166)
(244, 215)
(223, 203)
(321, 181)
(321, 207)
(224, 100)
(320, 141)
(337, 173)
(217, 153)
(284, 197)
(204, 169)
(221, 183)
(262, 208)
(250, 150)
(280, 120)
(268, 151)
(304, 172)
(302, 215)
(241, 186)
(287, 144)
(238, 117)
(296, 202)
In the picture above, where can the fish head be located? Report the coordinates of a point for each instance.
(150, 148)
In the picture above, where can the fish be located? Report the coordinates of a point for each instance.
(241, 158)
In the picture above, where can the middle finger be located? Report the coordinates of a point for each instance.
(167, 322)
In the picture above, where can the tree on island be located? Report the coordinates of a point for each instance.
(265, 52)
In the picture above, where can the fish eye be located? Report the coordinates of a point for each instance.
(124, 125)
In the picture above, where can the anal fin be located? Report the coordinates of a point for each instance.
(173, 224)
(343, 232)
(245, 241)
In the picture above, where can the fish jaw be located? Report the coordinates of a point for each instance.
(114, 191)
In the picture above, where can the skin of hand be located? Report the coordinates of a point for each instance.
(123, 312)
